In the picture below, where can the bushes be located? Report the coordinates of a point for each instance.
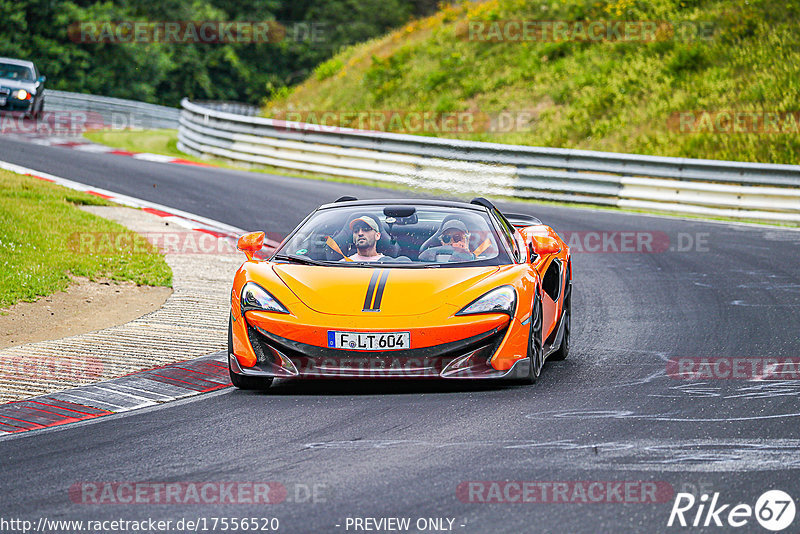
(165, 72)
(602, 95)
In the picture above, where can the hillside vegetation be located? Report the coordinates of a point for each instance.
(83, 45)
(619, 95)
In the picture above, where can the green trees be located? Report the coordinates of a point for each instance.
(49, 33)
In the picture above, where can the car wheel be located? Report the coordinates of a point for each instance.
(535, 350)
(240, 381)
(563, 350)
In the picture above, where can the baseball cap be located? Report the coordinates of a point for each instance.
(454, 224)
(369, 221)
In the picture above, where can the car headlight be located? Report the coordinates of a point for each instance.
(500, 300)
(21, 94)
(255, 297)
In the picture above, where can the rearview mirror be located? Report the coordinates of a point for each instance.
(251, 243)
(543, 245)
(400, 215)
(399, 211)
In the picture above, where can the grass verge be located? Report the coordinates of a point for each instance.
(610, 94)
(40, 224)
(153, 141)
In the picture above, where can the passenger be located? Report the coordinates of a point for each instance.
(454, 238)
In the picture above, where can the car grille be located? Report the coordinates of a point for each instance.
(4, 91)
(269, 348)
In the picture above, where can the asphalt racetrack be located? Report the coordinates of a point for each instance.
(614, 412)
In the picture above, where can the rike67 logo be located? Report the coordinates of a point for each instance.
(774, 510)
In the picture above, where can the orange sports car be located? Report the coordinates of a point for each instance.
(402, 288)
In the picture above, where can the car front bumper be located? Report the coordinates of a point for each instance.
(12, 104)
(467, 358)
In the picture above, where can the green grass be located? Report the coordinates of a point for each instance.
(40, 235)
(152, 141)
(164, 142)
(608, 96)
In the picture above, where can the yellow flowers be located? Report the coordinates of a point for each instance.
(482, 8)
(619, 7)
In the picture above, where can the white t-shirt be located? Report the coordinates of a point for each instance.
(358, 257)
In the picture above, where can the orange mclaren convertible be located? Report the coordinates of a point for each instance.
(402, 288)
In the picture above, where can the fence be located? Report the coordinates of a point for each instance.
(767, 192)
(116, 112)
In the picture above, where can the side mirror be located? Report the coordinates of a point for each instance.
(543, 245)
(251, 243)
(42, 79)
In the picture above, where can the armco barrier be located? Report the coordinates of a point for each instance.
(705, 187)
(116, 112)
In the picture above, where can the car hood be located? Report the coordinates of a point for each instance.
(17, 84)
(401, 291)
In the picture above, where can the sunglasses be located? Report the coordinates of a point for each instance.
(446, 238)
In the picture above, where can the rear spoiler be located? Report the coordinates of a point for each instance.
(520, 220)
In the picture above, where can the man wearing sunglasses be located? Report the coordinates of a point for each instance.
(454, 238)
(365, 237)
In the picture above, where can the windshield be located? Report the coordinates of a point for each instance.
(413, 236)
(16, 72)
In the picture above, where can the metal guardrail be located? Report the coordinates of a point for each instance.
(237, 108)
(767, 192)
(116, 112)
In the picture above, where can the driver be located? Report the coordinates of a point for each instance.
(454, 238)
(365, 236)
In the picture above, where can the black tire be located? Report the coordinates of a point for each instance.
(535, 348)
(563, 350)
(241, 381)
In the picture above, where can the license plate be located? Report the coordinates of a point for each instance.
(2, 101)
(369, 340)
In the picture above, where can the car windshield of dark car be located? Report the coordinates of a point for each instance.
(424, 236)
(15, 72)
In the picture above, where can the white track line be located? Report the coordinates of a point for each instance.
(190, 220)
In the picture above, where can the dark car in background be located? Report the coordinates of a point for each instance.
(21, 87)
